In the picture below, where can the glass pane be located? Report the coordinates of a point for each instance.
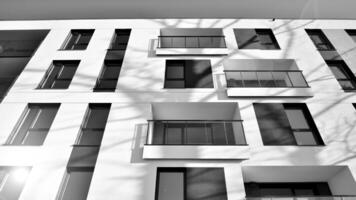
(304, 192)
(192, 42)
(296, 119)
(35, 137)
(238, 133)
(276, 192)
(97, 118)
(44, 118)
(205, 42)
(250, 79)
(174, 84)
(297, 79)
(171, 186)
(266, 79)
(11, 183)
(84, 39)
(60, 84)
(338, 72)
(178, 42)
(83, 156)
(67, 72)
(165, 42)
(91, 137)
(234, 79)
(106, 84)
(219, 136)
(175, 72)
(77, 185)
(218, 42)
(110, 73)
(72, 40)
(317, 39)
(265, 38)
(174, 132)
(304, 138)
(195, 133)
(346, 85)
(281, 79)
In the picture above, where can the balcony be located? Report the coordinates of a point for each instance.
(189, 139)
(191, 45)
(338, 197)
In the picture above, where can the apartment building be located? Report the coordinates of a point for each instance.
(178, 109)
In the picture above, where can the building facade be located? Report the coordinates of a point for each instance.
(178, 109)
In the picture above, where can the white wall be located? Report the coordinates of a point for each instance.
(120, 170)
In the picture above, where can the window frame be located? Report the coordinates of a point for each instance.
(107, 64)
(175, 79)
(322, 37)
(80, 32)
(346, 71)
(49, 78)
(23, 118)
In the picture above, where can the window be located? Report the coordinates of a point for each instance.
(109, 76)
(301, 189)
(34, 125)
(286, 124)
(78, 39)
(188, 74)
(11, 184)
(352, 34)
(191, 38)
(81, 164)
(197, 132)
(121, 39)
(60, 75)
(343, 74)
(190, 184)
(319, 39)
(262, 78)
(256, 39)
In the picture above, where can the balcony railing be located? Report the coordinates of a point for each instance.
(195, 132)
(191, 41)
(344, 197)
(263, 78)
(18, 48)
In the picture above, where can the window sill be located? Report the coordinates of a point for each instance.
(269, 92)
(225, 152)
(191, 51)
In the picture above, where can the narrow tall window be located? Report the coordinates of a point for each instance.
(286, 124)
(33, 127)
(256, 39)
(343, 74)
(59, 75)
(80, 168)
(121, 39)
(78, 39)
(108, 76)
(188, 74)
(190, 183)
(12, 181)
(319, 39)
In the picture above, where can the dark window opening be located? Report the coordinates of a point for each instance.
(188, 74)
(190, 184)
(59, 75)
(343, 74)
(319, 39)
(352, 34)
(108, 76)
(256, 39)
(121, 38)
(78, 39)
(299, 189)
(287, 124)
(34, 125)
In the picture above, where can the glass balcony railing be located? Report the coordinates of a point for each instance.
(195, 132)
(263, 78)
(346, 197)
(191, 42)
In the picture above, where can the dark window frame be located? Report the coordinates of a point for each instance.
(49, 79)
(325, 41)
(78, 33)
(101, 78)
(346, 71)
(24, 117)
(174, 79)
